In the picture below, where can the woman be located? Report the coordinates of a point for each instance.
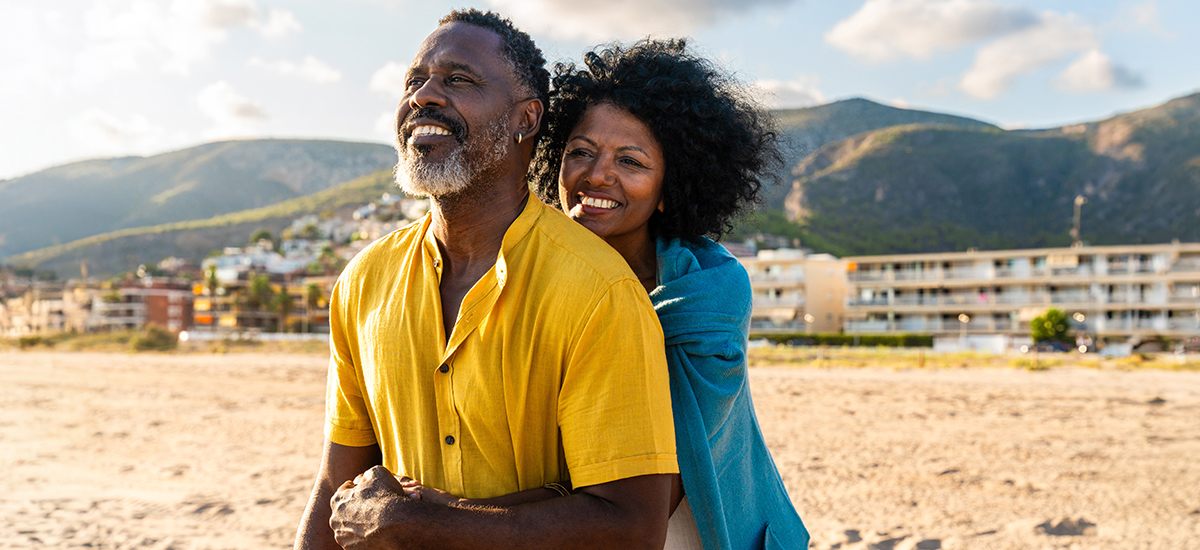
(652, 149)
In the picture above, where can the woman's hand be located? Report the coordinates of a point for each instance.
(414, 490)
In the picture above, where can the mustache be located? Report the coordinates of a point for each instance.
(457, 130)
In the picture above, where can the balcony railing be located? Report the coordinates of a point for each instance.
(778, 302)
(867, 326)
(917, 324)
(867, 276)
(1070, 298)
(767, 325)
(1183, 323)
(914, 275)
(963, 273)
(1183, 298)
(876, 301)
(772, 277)
(1186, 266)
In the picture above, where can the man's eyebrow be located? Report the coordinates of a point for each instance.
(463, 67)
(451, 66)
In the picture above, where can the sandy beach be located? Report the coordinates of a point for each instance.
(214, 451)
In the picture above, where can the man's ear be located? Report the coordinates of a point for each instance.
(530, 121)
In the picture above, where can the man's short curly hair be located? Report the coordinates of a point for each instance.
(517, 47)
(720, 147)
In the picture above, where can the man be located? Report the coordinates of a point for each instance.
(493, 348)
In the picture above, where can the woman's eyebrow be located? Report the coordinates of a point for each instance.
(582, 137)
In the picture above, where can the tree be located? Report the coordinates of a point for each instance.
(264, 234)
(283, 303)
(1050, 327)
(312, 300)
(310, 232)
(259, 292)
(327, 262)
(211, 282)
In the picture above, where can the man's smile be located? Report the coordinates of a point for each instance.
(427, 133)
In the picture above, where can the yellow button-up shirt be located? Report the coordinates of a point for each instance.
(554, 371)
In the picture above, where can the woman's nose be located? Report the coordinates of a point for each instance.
(601, 172)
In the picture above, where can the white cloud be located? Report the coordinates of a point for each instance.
(104, 133)
(311, 68)
(234, 114)
(1143, 16)
(385, 125)
(574, 20)
(1095, 72)
(886, 30)
(280, 24)
(998, 63)
(133, 35)
(389, 79)
(801, 92)
(31, 53)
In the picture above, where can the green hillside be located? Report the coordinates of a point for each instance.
(122, 250)
(78, 200)
(924, 188)
(804, 131)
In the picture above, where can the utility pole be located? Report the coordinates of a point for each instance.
(1080, 200)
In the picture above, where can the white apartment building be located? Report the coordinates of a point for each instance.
(1135, 290)
(795, 292)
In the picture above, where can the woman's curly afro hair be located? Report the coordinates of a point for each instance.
(719, 146)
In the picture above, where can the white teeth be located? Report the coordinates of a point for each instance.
(597, 202)
(430, 131)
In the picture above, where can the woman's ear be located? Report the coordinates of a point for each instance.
(660, 204)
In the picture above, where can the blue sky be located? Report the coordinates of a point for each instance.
(98, 78)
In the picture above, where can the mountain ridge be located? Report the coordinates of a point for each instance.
(76, 200)
(1139, 171)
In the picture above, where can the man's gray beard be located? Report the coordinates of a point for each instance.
(457, 172)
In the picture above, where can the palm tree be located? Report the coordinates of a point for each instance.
(283, 304)
(258, 293)
(211, 281)
(312, 300)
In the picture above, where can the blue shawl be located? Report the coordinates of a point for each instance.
(703, 302)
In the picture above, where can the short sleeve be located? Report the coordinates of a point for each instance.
(347, 421)
(615, 403)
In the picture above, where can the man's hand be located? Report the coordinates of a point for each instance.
(363, 508)
(414, 490)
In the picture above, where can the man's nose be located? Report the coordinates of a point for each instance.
(428, 94)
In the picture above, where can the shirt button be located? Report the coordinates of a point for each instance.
(444, 369)
(449, 440)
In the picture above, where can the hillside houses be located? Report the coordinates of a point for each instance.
(1131, 292)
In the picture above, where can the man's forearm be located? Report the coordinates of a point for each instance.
(314, 532)
(338, 464)
(628, 513)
